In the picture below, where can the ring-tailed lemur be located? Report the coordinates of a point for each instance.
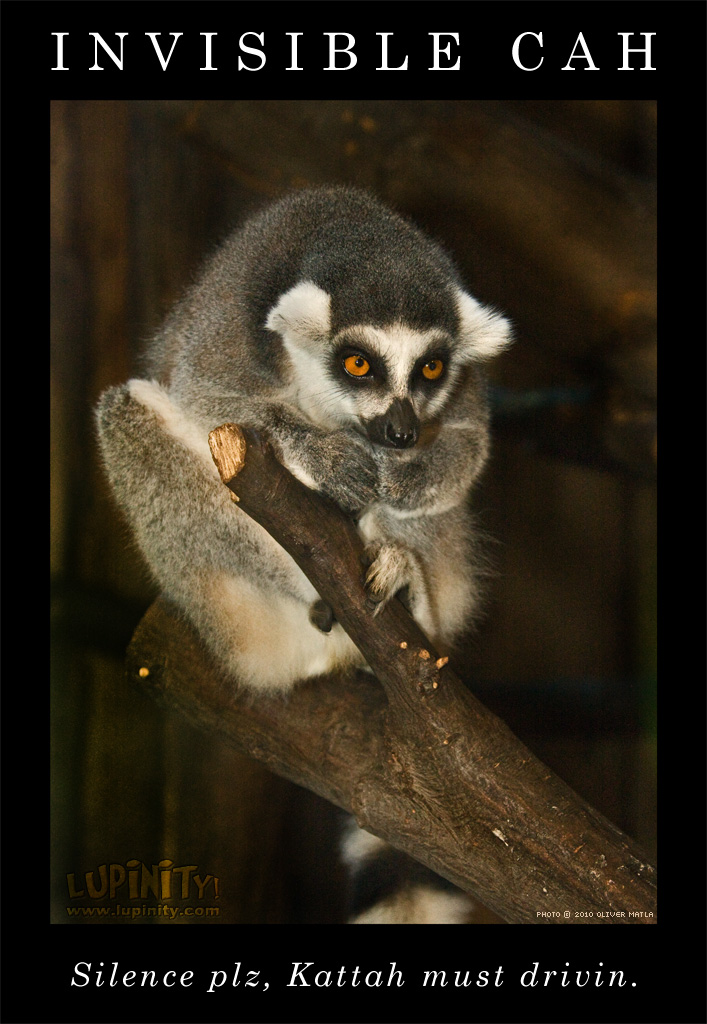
(345, 334)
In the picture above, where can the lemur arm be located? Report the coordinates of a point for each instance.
(339, 464)
(433, 477)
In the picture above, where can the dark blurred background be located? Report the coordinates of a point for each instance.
(549, 209)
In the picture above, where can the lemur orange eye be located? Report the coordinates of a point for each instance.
(357, 366)
(433, 369)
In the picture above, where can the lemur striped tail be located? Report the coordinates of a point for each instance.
(388, 887)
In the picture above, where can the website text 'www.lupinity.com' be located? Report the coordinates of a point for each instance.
(138, 891)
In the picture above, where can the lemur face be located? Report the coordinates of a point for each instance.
(391, 379)
(385, 381)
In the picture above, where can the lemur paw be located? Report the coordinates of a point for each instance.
(390, 572)
(352, 481)
(321, 615)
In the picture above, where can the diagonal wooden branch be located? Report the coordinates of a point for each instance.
(421, 763)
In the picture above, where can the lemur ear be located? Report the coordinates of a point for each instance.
(483, 332)
(301, 315)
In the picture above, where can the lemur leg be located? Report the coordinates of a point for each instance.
(241, 590)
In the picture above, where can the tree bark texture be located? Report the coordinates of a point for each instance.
(421, 762)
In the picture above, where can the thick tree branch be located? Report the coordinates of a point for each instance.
(430, 769)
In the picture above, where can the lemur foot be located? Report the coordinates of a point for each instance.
(389, 574)
(321, 616)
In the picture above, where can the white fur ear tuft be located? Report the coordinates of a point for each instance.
(301, 314)
(484, 332)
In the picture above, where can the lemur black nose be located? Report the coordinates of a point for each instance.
(400, 438)
(402, 425)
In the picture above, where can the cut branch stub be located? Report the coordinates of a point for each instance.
(228, 448)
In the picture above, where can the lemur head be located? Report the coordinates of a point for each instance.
(384, 378)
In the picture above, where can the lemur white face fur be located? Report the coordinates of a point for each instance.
(384, 381)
